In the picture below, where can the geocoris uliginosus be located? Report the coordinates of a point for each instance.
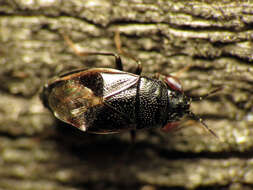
(104, 100)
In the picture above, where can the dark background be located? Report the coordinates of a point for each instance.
(215, 37)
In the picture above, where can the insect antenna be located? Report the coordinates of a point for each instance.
(194, 99)
(197, 118)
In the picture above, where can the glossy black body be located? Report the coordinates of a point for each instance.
(105, 101)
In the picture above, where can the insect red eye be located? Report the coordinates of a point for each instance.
(174, 83)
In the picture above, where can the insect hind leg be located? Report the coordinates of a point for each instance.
(70, 43)
(122, 52)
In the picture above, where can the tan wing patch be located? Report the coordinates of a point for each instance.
(69, 100)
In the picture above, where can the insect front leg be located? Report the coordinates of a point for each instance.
(118, 61)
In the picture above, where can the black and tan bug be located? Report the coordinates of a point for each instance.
(104, 100)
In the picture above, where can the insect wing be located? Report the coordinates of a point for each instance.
(69, 100)
(82, 98)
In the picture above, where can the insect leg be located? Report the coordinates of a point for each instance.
(170, 126)
(118, 61)
(122, 52)
(173, 76)
(133, 136)
(178, 73)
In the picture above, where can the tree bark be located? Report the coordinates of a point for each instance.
(214, 37)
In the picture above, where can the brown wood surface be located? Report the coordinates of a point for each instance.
(215, 37)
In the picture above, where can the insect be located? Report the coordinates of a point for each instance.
(104, 100)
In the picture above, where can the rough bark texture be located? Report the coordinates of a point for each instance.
(215, 37)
